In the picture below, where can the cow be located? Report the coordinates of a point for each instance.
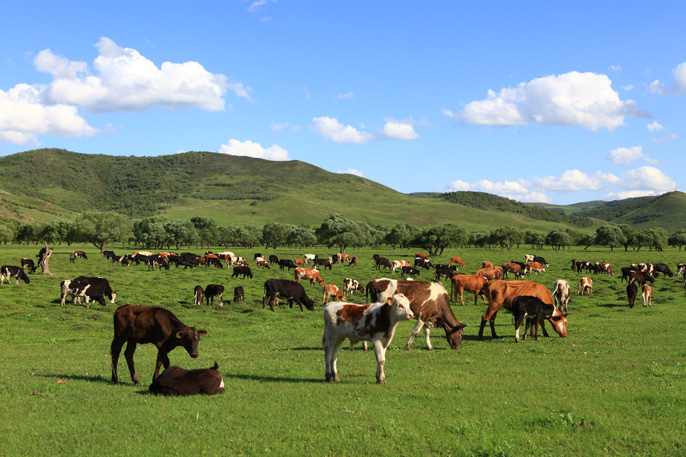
(430, 305)
(238, 294)
(198, 295)
(142, 252)
(470, 283)
(534, 310)
(500, 294)
(286, 263)
(663, 268)
(262, 264)
(326, 263)
(528, 258)
(273, 259)
(604, 267)
(680, 268)
(353, 261)
(647, 296)
(375, 323)
(331, 290)
(631, 292)
(299, 262)
(535, 267)
(457, 260)
(177, 381)
(343, 258)
(98, 290)
(257, 256)
(585, 285)
(10, 271)
(352, 286)
(135, 324)
(445, 271)
(308, 273)
(411, 271)
(213, 262)
(28, 263)
(490, 273)
(423, 263)
(512, 267)
(285, 288)
(421, 254)
(561, 291)
(241, 270)
(214, 290)
(309, 257)
(383, 262)
(399, 264)
(487, 264)
(160, 262)
(75, 254)
(109, 254)
(541, 260)
(76, 290)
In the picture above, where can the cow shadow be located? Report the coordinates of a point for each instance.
(264, 378)
(614, 305)
(76, 377)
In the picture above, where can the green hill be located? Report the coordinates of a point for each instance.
(48, 184)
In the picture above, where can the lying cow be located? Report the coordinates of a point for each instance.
(535, 312)
(178, 381)
(375, 322)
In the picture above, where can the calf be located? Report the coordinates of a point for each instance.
(631, 292)
(585, 285)
(75, 289)
(331, 290)
(457, 260)
(214, 290)
(352, 286)
(178, 381)
(299, 262)
(663, 268)
(198, 295)
(640, 277)
(242, 270)
(262, 264)
(376, 323)
(383, 262)
(285, 288)
(353, 261)
(9, 271)
(134, 324)
(238, 294)
(28, 263)
(647, 296)
(409, 271)
(470, 283)
(75, 254)
(561, 291)
(680, 268)
(445, 271)
(273, 259)
(512, 267)
(532, 308)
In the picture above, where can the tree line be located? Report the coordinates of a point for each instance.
(157, 232)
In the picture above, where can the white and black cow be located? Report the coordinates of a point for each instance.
(10, 271)
(285, 288)
(28, 263)
(534, 310)
(98, 290)
(375, 322)
(77, 291)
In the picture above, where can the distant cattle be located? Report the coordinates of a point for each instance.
(422, 262)
(399, 264)
(541, 260)
(604, 267)
(10, 271)
(631, 292)
(663, 268)
(28, 263)
(585, 285)
(214, 290)
(409, 271)
(75, 254)
(238, 294)
(134, 324)
(561, 291)
(533, 310)
(287, 289)
(490, 273)
(326, 263)
(470, 283)
(352, 286)
(299, 262)
(376, 323)
(179, 381)
(457, 260)
(286, 263)
(198, 295)
(242, 270)
(445, 271)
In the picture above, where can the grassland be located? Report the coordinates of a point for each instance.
(615, 386)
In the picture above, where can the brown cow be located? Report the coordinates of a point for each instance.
(308, 273)
(263, 264)
(535, 267)
(178, 381)
(75, 254)
(421, 254)
(457, 260)
(585, 284)
(500, 294)
(512, 267)
(470, 283)
(490, 273)
(486, 264)
(331, 290)
(430, 305)
(135, 324)
(299, 261)
(353, 261)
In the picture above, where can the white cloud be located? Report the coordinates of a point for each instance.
(655, 127)
(666, 139)
(615, 68)
(575, 180)
(628, 87)
(623, 156)
(250, 149)
(280, 127)
(585, 99)
(330, 128)
(648, 178)
(399, 130)
(24, 116)
(255, 6)
(630, 194)
(657, 87)
(123, 80)
(345, 96)
(680, 78)
(516, 190)
(351, 171)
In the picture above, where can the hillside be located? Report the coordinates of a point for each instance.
(48, 184)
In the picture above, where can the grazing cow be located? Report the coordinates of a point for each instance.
(9, 271)
(376, 323)
(561, 291)
(512, 267)
(640, 277)
(528, 258)
(631, 292)
(242, 270)
(214, 290)
(399, 264)
(353, 261)
(238, 294)
(343, 258)
(490, 273)
(326, 263)
(331, 290)
(445, 271)
(457, 260)
(285, 288)
(383, 262)
(585, 285)
(604, 267)
(535, 312)
(430, 305)
(198, 295)
(109, 254)
(262, 264)
(286, 263)
(309, 257)
(647, 296)
(541, 260)
(299, 262)
(487, 264)
(142, 252)
(680, 268)
(75, 254)
(308, 273)
(134, 324)
(663, 268)
(574, 264)
(76, 290)
(470, 283)
(257, 255)
(28, 263)
(179, 381)
(500, 295)
(273, 259)
(535, 267)
(98, 290)
(352, 286)
(420, 262)
(411, 271)
(187, 261)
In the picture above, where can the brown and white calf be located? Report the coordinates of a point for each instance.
(352, 286)
(585, 285)
(331, 290)
(399, 264)
(198, 295)
(647, 296)
(375, 322)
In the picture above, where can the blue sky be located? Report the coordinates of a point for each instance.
(554, 101)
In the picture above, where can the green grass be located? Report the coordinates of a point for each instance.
(615, 386)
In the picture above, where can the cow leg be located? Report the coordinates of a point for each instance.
(162, 359)
(380, 352)
(128, 354)
(115, 350)
(518, 323)
(418, 326)
(331, 355)
(545, 332)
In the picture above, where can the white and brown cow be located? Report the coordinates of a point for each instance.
(561, 290)
(375, 322)
(647, 296)
(352, 286)
(399, 264)
(332, 290)
(308, 273)
(585, 285)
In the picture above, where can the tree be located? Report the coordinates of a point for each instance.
(342, 232)
(206, 229)
(609, 236)
(301, 236)
(558, 239)
(586, 240)
(506, 237)
(677, 238)
(179, 232)
(6, 234)
(240, 235)
(535, 239)
(653, 238)
(275, 234)
(101, 228)
(400, 235)
(436, 239)
(630, 234)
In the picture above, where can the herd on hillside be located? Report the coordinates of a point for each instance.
(393, 301)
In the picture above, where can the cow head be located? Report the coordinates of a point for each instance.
(559, 323)
(400, 306)
(23, 276)
(455, 334)
(309, 303)
(189, 339)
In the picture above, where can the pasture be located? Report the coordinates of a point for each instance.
(615, 386)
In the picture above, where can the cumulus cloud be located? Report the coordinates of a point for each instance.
(666, 139)
(623, 156)
(648, 178)
(585, 99)
(251, 149)
(516, 190)
(679, 86)
(124, 80)
(330, 128)
(399, 130)
(655, 127)
(351, 171)
(24, 116)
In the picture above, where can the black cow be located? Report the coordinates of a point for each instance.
(156, 261)
(214, 290)
(242, 270)
(534, 310)
(109, 254)
(134, 324)
(256, 255)
(287, 263)
(409, 271)
(422, 262)
(215, 262)
(28, 263)
(662, 268)
(10, 271)
(326, 263)
(445, 271)
(273, 259)
(188, 261)
(382, 262)
(285, 288)
(179, 381)
(98, 290)
(541, 260)
(238, 294)
(631, 292)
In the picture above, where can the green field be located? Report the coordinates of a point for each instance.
(615, 386)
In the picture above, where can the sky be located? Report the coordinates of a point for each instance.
(538, 101)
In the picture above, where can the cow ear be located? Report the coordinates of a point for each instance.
(410, 298)
(202, 333)
(179, 334)
(389, 300)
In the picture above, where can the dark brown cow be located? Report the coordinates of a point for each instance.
(501, 293)
(134, 324)
(179, 381)
(512, 267)
(430, 305)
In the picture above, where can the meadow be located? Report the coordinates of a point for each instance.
(615, 386)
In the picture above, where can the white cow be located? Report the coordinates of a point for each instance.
(561, 294)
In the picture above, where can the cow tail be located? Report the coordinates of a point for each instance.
(366, 293)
